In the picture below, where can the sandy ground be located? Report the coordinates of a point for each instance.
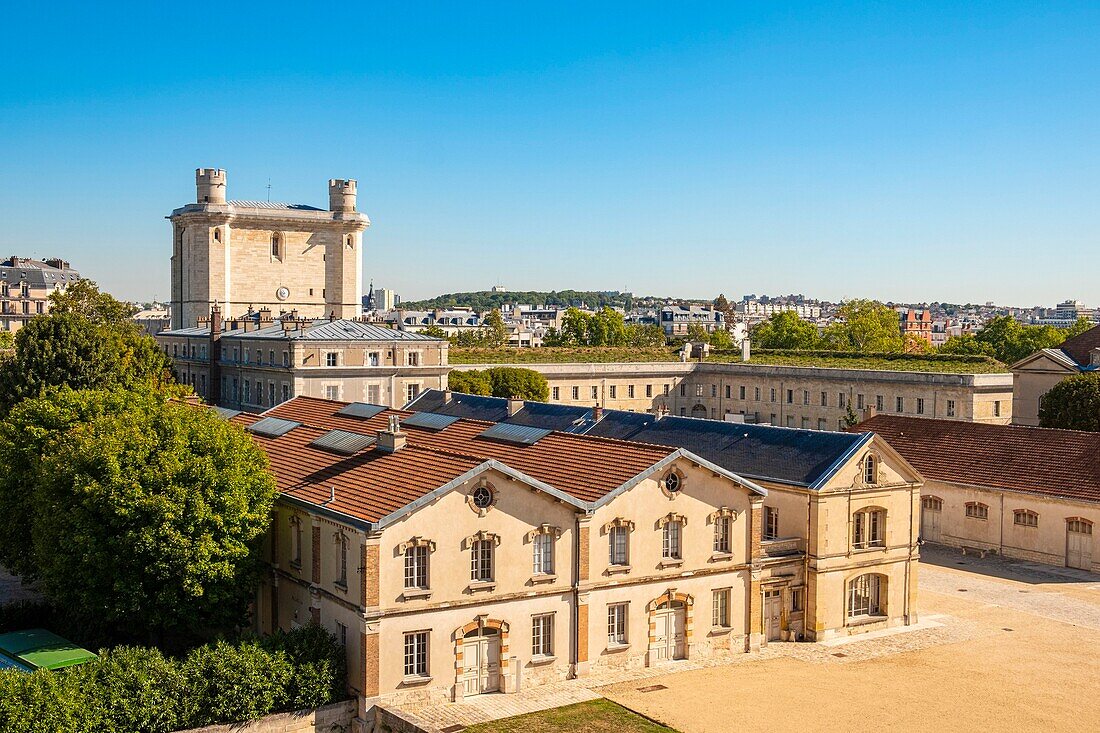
(1024, 655)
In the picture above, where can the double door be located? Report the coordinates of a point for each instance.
(1079, 544)
(669, 633)
(481, 662)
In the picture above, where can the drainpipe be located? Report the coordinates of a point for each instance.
(574, 639)
(1001, 538)
(909, 564)
(806, 569)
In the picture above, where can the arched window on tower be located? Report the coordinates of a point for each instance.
(276, 246)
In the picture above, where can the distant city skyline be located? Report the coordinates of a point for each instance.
(910, 154)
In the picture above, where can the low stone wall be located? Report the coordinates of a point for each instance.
(335, 718)
(381, 719)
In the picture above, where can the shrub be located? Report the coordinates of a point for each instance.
(140, 690)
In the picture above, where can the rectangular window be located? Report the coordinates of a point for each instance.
(611, 392)
(554, 394)
(670, 541)
(821, 423)
(728, 391)
(630, 391)
(481, 561)
(796, 599)
(741, 392)
(616, 624)
(372, 358)
(416, 567)
(868, 529)
(859, 402)
(951, 408)
(667, 388)
(790, 396)
(722, 532)
(617, 541)
(880, 401)
(649, 390)
(271, 358)
(576, 393)
(416, 654)
(773, 394)
(331, 358)
(805, 397)
(286, 358)
(374, 394)
(975, 510)
(698, 390)
(543, 554)
(996, 408)
(286, 391)
(332, 392)
(271, 393)
(840, 400)
(920, 405)
(720, 608)
(756, 393)
(595, 393)
(899, 404)
(412, 358)
(824, 399)
(411, 391)
(542, 635)
(771, 523)
(683, 389)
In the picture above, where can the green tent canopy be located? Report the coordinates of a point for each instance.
(41, 649)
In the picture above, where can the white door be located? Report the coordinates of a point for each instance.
(930, 519)
(669, 636)
(773, 607)
(1079, 544)
(480, 664)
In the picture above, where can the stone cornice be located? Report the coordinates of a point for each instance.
(217, 214)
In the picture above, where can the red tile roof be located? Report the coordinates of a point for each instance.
(1079, 347)
(1056, 463)
(371, 484)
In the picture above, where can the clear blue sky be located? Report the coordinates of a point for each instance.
(907, 151)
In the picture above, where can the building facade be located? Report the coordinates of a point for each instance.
(262, 254)
(456, 557)
(816, 398)
(1035, 375)
(916, 323)
(1022, 492)
(259, 362)
(25, 288)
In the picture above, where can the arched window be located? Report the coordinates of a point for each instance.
(867, 596)
(977, 510)
(869, 528)
(870, 469)
(276, 246)
(933, 503)
(217, 235)
(1025, 518)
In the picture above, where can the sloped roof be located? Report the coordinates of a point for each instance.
(1079, 347)
(1056, 463)
(341, 329)
(493, 409)
(277, 205)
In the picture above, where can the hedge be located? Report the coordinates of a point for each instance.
(140, 690)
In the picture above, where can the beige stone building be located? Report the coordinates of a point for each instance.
(25, 288)
(261, 254)
(256, 362)
(455, 557)
(1023, 492)
(815, 398)
(1035, 375)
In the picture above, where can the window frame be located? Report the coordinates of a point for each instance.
(542, 636)
(482, 560)
(720, 608)
(617, 624)
(416, 657)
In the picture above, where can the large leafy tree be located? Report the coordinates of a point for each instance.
(785, 330)
(1073, 404)
(86, 342)
(132, 510)
(496, 333)
(866, 326)
(473, 381)
(526, 384)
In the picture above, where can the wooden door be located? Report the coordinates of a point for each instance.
(662, 633)
(677, 646)
(669, 635)
(480, 664)
(773, 609)
(1079, 544)
(930, 523)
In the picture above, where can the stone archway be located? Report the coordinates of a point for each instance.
(481, 653)
(699, 410)
(671, 626)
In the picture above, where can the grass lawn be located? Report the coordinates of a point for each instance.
(597, 716)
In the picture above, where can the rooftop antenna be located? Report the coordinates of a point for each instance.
(269, 190)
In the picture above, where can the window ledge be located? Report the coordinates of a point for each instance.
(412, 594)
(543, 659)
(720, 630)
(414, 680)
(866, 620)
(613, 569)
(342, 587)
(670, 562)
(543, 578)
(721, 556)
(867, 548)
(479, 585)
(617, 647)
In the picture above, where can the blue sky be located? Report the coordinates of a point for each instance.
(906, 151)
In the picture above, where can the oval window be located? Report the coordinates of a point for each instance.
(483, 498)
(672, 482)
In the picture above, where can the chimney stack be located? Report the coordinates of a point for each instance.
(597, 412)
(391, 439)
(447, 397)
(515, 404)
(746, 349)
(214, 390)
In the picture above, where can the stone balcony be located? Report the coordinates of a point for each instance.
(783, 547)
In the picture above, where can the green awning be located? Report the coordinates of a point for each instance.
(39, 648)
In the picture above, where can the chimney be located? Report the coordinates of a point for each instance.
(868, 412)
(391, 439)
(447, 397)
(214, 389)
(515, 404)
(265, 316)
(746, 349)
(597, 412)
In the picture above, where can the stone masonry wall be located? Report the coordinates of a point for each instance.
(335, 718)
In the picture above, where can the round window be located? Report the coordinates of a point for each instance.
(483, 497)
(672, 482)
(282, 293)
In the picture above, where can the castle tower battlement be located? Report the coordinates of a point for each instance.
(210, 185)
(341, 194)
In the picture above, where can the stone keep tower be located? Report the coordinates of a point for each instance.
(260, 253)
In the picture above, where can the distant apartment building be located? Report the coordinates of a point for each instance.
(1064, 315)
(816, 398)
(755, 309)
(676, 320)
(256, 362)
(385, 299)
(916, 323)
(452, 321)
(264, 254)
(26, 285)
(153, 320)
(1035, 375)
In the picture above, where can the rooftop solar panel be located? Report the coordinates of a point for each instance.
(521, 434)
(429, 420)
(344, 441)
(272, 427)
(363, 410)
(226, 413)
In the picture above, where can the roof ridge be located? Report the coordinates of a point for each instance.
(969, 424)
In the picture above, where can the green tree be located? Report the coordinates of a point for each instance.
(1073, 404)
(1083, 324)
(643, 335)
(785, 330)
(473, 381)
(607, 328)
(495, 332)
(1011, 341)
(133, 510)
(526, 384)
(850, 419)
(434, 331)
(87, 342)
(574, 327)
(966, 344)
(721, 339)
(865, 326)
(7, 340)
(722, 305)
(696, 332)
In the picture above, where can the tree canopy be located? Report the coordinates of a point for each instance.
(867, 326)
(486, 300)
(1008, 340)
(133, 510)
(1073, 404)
(527, 384)
(785, 330)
